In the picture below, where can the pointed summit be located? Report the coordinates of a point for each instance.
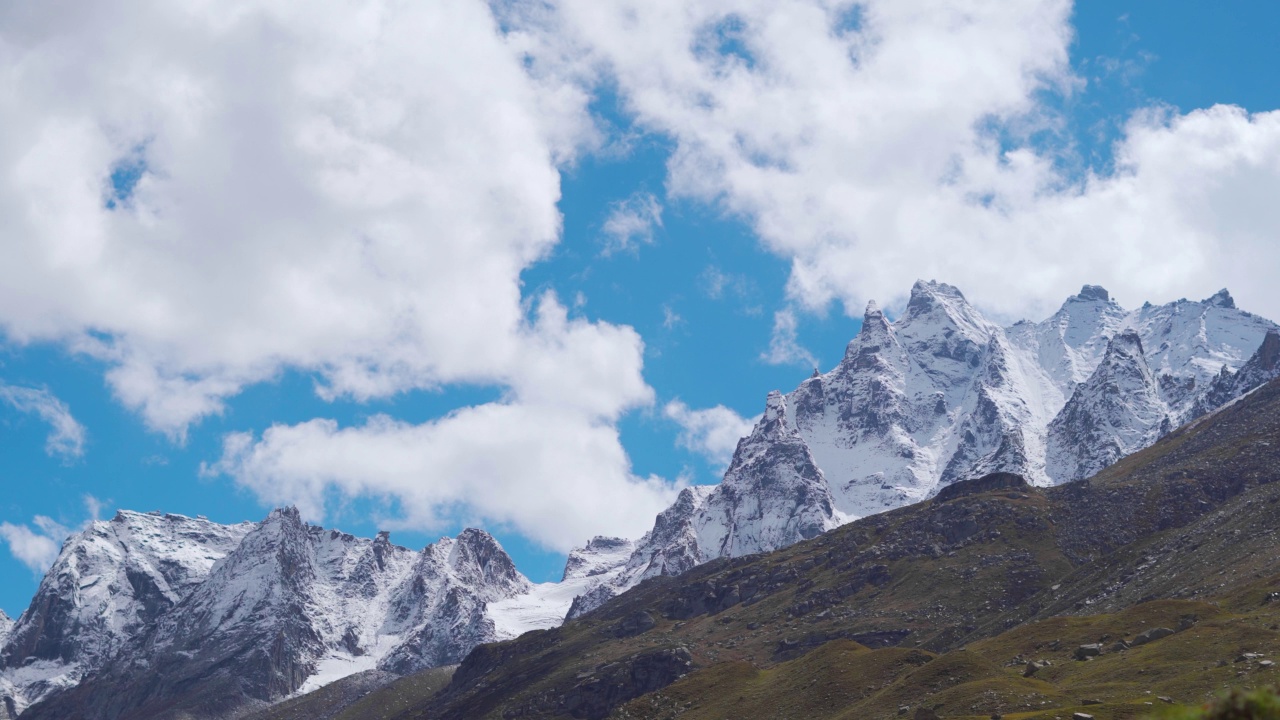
(874, 322)
(926, 295)
(1116, 411)
(1093, 292)
(477, 557)
(1221, 299)
(876, 333)
(1127, 342)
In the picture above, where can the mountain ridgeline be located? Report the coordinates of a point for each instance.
(154, 615)
(1156, 579)
(943, 394)
(151, 615)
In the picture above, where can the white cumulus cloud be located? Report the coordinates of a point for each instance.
(875, 142)
(712, 432)
(546, 462)
(349, 189)
(36, 548)
(205, 195)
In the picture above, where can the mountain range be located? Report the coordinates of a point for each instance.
(943, 394)
(1153, 582)
(182, 617)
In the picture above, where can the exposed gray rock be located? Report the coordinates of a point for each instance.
(614, 684)
(288, 597)
(986, 483)
(1151, 634)
(1085, 652)
(634, 624)
(1117, 411)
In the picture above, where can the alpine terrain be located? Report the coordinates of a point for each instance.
(908, 498)
(943, 394)
(1151, 583)
(178, 615)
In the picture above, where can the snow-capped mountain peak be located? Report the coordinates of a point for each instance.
(1117, 411)
(1221, 299)
(943, 394)
(109, 582)
(597, 557)
(257, 610)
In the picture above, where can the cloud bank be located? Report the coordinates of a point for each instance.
(873, 143)
(205, 195)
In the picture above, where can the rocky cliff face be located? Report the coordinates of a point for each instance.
(1260, 369)
(109, 583)
(286, 606)
(773, 495)
(1116, 411)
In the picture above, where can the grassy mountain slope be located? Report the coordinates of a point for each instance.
(940, 605)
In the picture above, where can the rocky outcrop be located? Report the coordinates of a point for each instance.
(1261, 368)
(595, 696)
(1117, 411)
(773, 495)
(108, 584)
(986, 483)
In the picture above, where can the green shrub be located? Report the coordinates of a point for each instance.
(1236, 705)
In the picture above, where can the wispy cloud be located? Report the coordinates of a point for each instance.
(718, 284)
(712, 433)
(66, 434)
(631, 222)
(784, 348)
(670, 318)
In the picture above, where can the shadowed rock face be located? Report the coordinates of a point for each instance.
(109, 583)
(1261, 368)
(1117, 411)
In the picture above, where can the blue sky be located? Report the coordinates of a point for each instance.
(703, 287)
